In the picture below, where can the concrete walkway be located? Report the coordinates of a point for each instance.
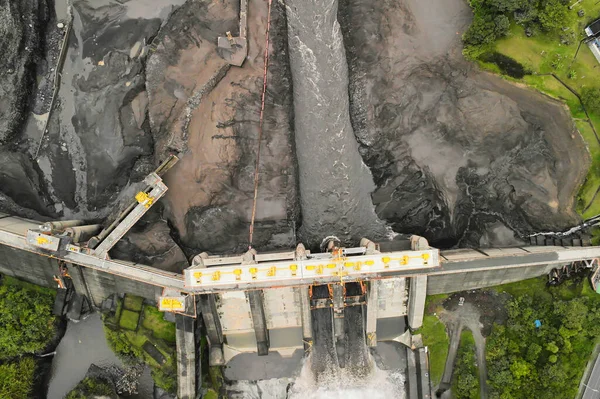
(466, 316)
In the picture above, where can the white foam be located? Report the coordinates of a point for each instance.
(341, 384)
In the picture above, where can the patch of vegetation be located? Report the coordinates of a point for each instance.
(154, 320)
(91, 387)
(165, 379)
(591, 99)
(216, 377)
(436, 339)
(129, 320)
(492, 19)
(433, 303)
(211, 394)
(133, 302)
(128, 338)
(546, 362)
(26, 318)
(465, 382)
(16, 378)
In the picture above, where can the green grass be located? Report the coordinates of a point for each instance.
(522, 287)
(133, 302)
(154, 320)
(543, 54)
(434, 302)
(436, 339)
(536, 287)
(129, 320)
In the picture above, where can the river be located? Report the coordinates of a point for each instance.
(84, 344)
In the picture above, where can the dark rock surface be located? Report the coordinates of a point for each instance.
(453, 150)
(22, 27)
(97, 130)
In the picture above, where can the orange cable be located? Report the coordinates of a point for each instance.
(260, 126)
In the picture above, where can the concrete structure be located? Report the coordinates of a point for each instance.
(235, 49)
(593, 31)
(418, 292)
(185, 334)
(259, 303)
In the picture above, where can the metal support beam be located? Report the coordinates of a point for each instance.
(416, 301)
(259, 321)
(372, 307)
(145, 201)
(214, 332)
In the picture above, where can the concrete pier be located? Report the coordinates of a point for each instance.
(372, 307)
(214, 332)
(259, 321)
(413, 385)
(424, 382)
(416, 301)
(307, 334)
(186, 357)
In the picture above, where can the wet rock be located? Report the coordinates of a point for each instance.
(201, 106)
(22, 26)
(453, 150)
(101, 112)
(151, 245)
(21, 183)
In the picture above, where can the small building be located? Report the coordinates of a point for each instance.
(593, 32)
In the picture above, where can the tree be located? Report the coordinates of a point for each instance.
(553, 15)
(26, 319)
(502, 25)
(482, 31)
(591, 99)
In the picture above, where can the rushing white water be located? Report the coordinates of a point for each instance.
(341, 384)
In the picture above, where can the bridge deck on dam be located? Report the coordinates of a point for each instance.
(13, 233)
(256, 304)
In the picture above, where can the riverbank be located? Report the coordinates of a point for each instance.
(558, 65)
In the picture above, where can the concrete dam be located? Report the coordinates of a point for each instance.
(255, 305)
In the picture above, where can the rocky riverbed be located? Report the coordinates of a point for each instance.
(391, 126)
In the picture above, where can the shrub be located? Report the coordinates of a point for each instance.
(119, 344)
(91, 387)
(16, 379)
(591, 99)
(26, 319)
